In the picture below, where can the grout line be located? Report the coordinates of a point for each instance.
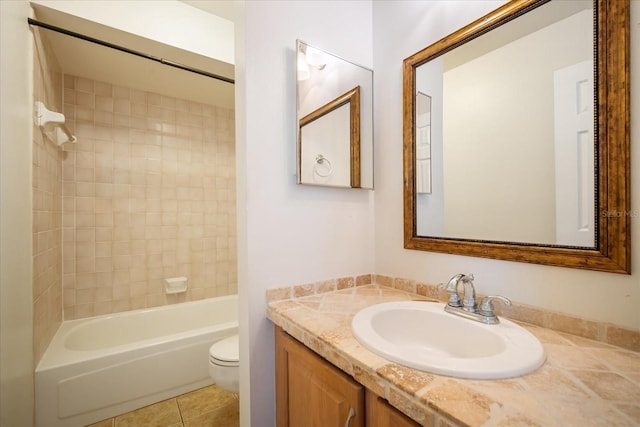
(179, 411)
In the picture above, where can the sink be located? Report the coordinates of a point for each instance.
(421, 335)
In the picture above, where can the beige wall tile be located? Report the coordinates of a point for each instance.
(135, 191)
(47, 194)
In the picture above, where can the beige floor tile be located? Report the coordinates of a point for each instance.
(208, 406)
(161, 414)
(225, 416)
(204, 400)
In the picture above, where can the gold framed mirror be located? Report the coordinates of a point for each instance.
(331, 132)
(601, 214)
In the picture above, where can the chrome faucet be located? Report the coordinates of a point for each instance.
(468, 308)
(469, 296)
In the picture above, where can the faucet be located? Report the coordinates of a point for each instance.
(468, 308)
(469, 296)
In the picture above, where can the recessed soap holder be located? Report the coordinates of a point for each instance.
(175, 285)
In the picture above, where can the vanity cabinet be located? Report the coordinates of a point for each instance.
(381, 414)
(311, 392)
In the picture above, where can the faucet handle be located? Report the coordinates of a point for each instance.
(452, 288)
(486, 308)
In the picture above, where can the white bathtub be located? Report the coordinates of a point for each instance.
(100, 367)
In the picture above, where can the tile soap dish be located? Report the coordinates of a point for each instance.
(175, 285)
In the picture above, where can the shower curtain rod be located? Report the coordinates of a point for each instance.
(130, 51)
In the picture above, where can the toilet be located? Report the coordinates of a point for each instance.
(223, 363)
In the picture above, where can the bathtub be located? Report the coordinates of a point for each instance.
(102, 366)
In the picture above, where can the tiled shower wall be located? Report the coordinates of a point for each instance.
(47, 204)
(148, 194)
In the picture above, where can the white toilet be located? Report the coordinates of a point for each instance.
(223, 363)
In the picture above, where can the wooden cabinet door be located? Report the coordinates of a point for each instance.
(310, 392)
(381, 414)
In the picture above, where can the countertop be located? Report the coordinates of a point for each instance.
(582, 382)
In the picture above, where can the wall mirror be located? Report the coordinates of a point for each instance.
(335, 120)
(526, 136)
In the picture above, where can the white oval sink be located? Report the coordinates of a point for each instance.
(421, 335)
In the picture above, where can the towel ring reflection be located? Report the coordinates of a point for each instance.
(323, 167)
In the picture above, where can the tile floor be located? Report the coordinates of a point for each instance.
(207, 407)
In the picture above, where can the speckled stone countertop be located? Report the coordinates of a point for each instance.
(582, 383)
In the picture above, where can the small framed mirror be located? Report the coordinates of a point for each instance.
(335, 120)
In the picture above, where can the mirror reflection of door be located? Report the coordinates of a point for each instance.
(423, 143)
(574, 148)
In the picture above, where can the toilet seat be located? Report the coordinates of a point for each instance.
(225, 352)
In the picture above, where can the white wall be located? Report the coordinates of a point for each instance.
(202, 33)
(16, 296)
(598, 296)
(167, 29)
(289, 234)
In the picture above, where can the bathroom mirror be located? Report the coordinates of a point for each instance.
(335, 120)
(528, 137)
